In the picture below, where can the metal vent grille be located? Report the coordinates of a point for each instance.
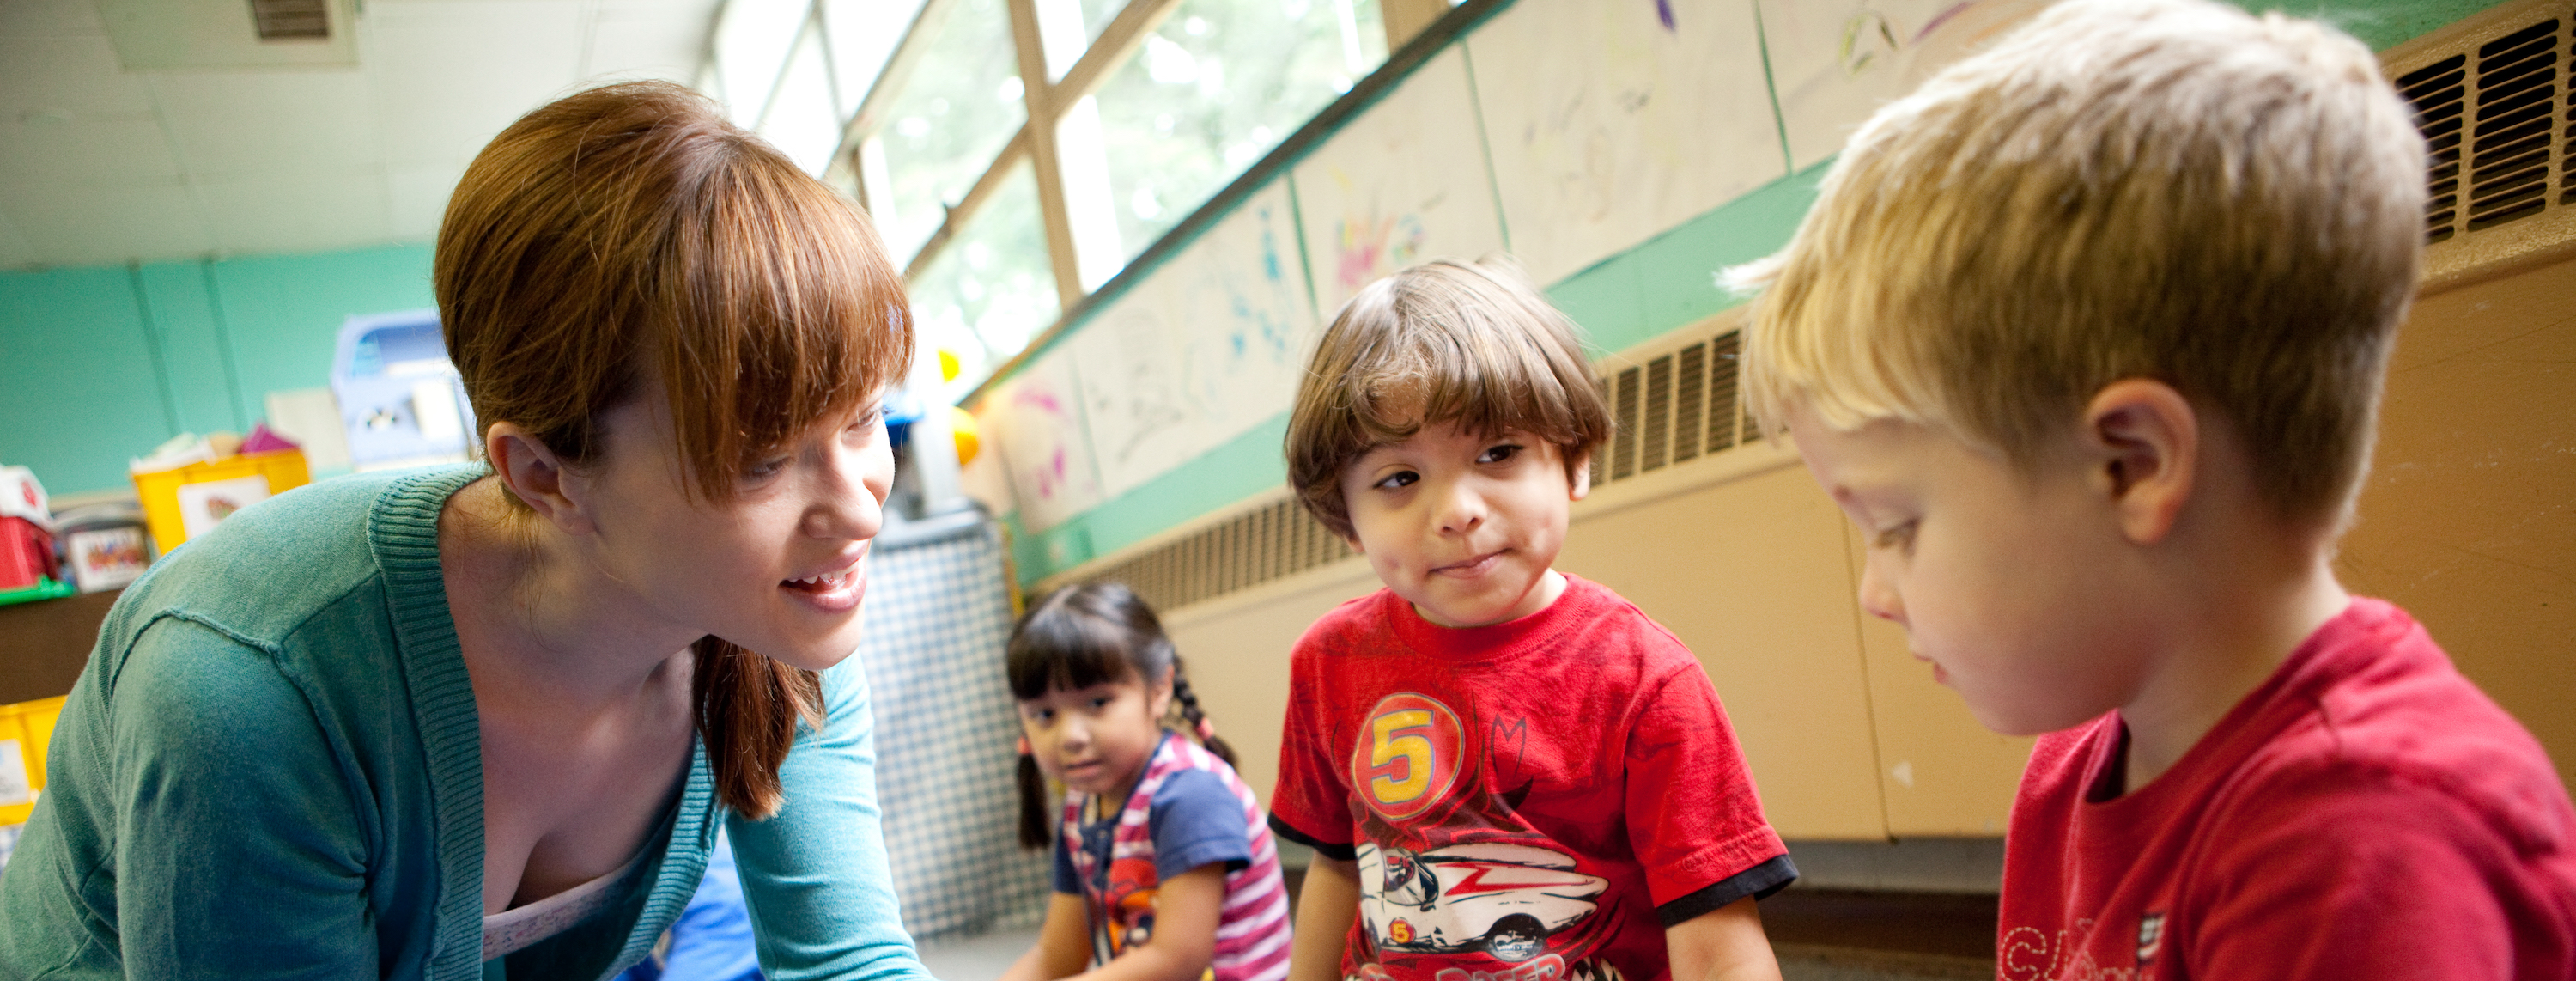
(1690, 399)
(1679, 406)
(2515, 127)
(2493, 113)
(291, 20)
(1721, 390)
(2438, 95)
(1658, 429)
(1271, 541)
(1623, 440)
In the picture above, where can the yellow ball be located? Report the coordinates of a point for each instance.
(961, 424)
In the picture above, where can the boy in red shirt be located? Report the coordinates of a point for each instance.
(1507, 773)
(2087, 335)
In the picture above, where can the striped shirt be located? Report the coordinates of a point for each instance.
(1252, 929)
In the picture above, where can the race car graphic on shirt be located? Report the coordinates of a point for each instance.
(1500, 899)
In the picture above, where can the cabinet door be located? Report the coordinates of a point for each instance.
(2468, 519)
(1942, 772)
(1237, 651)
(1751, 574)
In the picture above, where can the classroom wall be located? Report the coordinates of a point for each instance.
(2469, 516)
(1623, 152)
(101, 363)
(2466, 521)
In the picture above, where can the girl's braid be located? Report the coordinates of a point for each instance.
(1034, 824)
(1198, 720)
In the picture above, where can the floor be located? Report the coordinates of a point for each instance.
(1819, 935)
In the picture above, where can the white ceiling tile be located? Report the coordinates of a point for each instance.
(49, 18)
(417, 199)
(77, 226)
(296, 214)
(84, 152)
(229, 124)
(77, 75)
(638, 48)
(449, 74)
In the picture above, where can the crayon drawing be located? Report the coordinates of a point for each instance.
(1837, 62)
(1206, 348)
(1405, 182)
(1617, 121)
(1043, 445)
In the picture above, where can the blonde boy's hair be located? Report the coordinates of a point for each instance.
(1441, 342)
(2165, 189)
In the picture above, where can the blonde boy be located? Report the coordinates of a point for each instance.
(2087, 337)
(1507, 773)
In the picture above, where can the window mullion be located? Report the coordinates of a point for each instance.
(1044, 108)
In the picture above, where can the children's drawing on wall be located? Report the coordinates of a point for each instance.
(1837, 62)
(1203, 350)
(1616, 120)
(1371, 245)
(1242, 291)
(1133, 396)
(1043, 444)
(1406, 181)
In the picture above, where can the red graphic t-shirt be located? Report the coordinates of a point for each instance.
(2364, 813)
(1530, 801)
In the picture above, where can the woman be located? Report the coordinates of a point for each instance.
(485, 722)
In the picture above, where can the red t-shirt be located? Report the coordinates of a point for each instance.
(2365, 813)
(1530, 801)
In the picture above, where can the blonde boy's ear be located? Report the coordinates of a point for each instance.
(1581, 468)
(2143, 440)
(536, 476)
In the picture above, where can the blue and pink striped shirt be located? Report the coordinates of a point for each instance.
(1252, 929)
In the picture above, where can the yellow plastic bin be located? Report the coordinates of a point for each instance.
(188, 501)
(25, 729)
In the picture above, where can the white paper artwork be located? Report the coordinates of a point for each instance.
(1614, 120)
(1208, 347)
(1037, 419)
(1404, 182)
(1838, 61)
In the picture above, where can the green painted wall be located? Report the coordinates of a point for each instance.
(100, 364)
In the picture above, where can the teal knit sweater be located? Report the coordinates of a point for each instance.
(272, 767)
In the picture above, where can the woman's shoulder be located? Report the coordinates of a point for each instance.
(271, 568)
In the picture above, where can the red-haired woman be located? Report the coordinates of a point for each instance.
(468, 721)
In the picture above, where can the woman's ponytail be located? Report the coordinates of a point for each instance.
(1197, 718)
(748, 707)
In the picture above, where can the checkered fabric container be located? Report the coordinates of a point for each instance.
(937, 615)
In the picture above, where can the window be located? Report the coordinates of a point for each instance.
(918, 108)
(1214, 88)
(990, 290)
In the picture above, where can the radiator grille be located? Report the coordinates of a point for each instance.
(1680, 406)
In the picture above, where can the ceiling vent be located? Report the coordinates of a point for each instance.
(2491, 96)
(291, 20)
(189, 35)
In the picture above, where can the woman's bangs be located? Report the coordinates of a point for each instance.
(790, 315)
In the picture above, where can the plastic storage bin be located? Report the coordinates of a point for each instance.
(189, 501)
(25, 729)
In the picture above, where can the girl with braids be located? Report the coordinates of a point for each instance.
(1164, 867)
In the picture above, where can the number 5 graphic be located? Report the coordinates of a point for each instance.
(1399, 737)
(1412, 756)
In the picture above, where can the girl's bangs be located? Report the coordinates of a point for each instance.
(1065, 651)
